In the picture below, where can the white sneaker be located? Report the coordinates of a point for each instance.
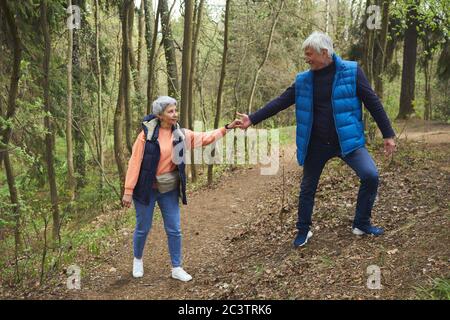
(138, 268)
(180, 274)
(358, 232)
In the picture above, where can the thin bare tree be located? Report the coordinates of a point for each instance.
(221, 81)
(49, 135)
(69, 143)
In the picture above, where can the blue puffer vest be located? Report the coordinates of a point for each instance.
(346, 106)
(147, 173)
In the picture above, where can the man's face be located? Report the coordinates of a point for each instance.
(316, 60)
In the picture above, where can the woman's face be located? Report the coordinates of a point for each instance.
(170, 115)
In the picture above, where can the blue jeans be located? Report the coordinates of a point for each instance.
(168, 203)
(359, 160)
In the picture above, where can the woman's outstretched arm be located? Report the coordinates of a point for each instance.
(201, 139)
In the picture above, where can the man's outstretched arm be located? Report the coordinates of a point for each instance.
(373, 104)
(285, 100)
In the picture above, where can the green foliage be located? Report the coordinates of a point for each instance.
(439, 289)
(250, 22)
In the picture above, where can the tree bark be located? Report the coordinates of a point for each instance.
(169, 49)
(150, 39)
(131, 56)
(122, 100)
(198, 20)
(6, 134)
(141, 25)
(369, 48)
(100, 155)
(49, 136)
(79, 112)
(409, 64)
(15, 75)
(427, 70)
(69, 144)
(126, 66)
(221, 82)
(186, 63)
(380, 59)
(191, 111)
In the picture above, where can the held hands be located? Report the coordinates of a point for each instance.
(244, 122)
(389, 146)
(126, 200)
(235, 124)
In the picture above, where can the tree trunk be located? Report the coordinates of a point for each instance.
(6, 134)
(13, 195)
(131, 56)
(122, 100)
(119, 148)
(79, 112)
(100, 155)
(369, 48)
(221, 82)
(198, 22)
(150, 39)
(15, 75)
(380, 60)
(409, 64)
(128, 66)
(49, 136)
(263, 62)
(141, 25)
(186, 63)
(169, 49)
(69, 145)
(369, 69)
(427, 70)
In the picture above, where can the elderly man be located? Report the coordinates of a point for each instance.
(329, 124)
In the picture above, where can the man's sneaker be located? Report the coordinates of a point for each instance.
(302, 238)
(180, 274)
(138, 268)
(368, 230)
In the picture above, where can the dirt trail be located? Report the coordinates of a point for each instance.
(431, 132)
(228, 237)
(208, 221)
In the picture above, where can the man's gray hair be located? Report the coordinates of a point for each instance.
(160, 104)
(318, 41)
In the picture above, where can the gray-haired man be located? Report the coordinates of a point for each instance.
(328, 100)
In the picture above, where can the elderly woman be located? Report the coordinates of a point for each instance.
(156, 173)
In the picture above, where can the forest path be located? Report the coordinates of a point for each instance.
(208, 221)
(237, 243)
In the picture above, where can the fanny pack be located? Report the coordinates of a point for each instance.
(168, 181)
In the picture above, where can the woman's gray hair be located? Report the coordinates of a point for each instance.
(318, 41)
(160, 104)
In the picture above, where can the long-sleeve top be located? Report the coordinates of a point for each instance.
(193, 140)
(322, 104)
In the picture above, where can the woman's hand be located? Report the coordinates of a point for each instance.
(235, 124)
(126, 200)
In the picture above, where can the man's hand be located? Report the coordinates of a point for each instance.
(389, 146)
(126, 200)
(245, 121)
